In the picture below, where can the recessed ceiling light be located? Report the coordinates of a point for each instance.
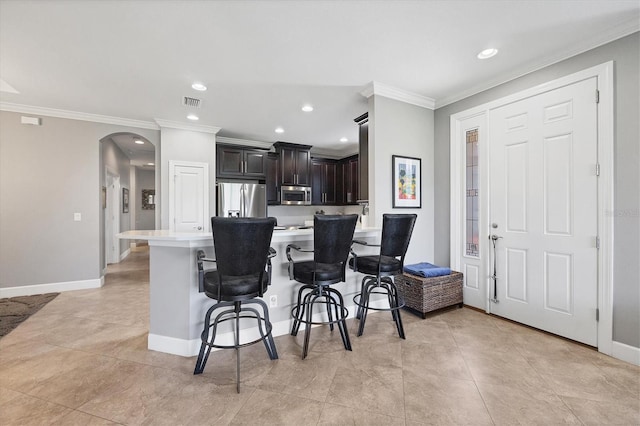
(139, 142)
(344, 140)
(193, 117)
(199, 87)
(307, 108)
(487, 53)
(150, 164)
(279, 130)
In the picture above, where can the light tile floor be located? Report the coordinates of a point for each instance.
(82, 360)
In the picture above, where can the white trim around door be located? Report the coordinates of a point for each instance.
(604, 76)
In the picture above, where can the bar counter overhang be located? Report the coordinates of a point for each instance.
(176, 308)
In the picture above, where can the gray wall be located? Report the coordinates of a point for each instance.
(625, 53)
(398, 128)
(190, 146)
(145, 179)
(48, 173)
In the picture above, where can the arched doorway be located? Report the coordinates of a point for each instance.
(128, 185)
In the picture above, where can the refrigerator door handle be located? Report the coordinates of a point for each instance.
(243, 210)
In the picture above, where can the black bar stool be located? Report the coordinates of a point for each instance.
(380, 269)
(332, 236)
(243, 259)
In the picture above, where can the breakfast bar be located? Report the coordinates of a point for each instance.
(176, 308)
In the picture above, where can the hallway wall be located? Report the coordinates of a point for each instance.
(48, 173)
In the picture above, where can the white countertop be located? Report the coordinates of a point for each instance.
(165, 237)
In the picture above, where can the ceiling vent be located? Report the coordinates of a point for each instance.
(191, 102)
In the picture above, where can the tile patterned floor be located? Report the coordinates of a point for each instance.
(82, 360)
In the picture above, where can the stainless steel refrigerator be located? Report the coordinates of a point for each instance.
(241, 199)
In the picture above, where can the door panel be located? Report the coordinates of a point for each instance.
(255, 163)
(543, 200)
(303, 162)
(517, 186)
(189, 198)
(558, 184)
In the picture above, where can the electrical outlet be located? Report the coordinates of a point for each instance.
(273, 301)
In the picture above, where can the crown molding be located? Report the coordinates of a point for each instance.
(334, 154)
(75, 115)
(380, 89)
(185, 126)
(244, 142)
(624, 29)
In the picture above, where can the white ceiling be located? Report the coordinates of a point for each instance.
(262, 60)
(142, 156)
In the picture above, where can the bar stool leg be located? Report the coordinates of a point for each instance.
(328, 303)
(202, 356)
(237, 344)
(342, 323)
(359, 311)
(393, 291)
(307, 328)
(364, 301)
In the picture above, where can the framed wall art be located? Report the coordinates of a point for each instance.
(407, 182)
(125, 200)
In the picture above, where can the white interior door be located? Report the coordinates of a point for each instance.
(543, 206)
(188, 196)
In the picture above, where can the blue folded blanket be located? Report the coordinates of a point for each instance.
(427, 270)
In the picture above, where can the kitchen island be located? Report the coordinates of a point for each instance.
(176, 308)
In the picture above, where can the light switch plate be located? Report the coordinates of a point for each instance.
(77, 217)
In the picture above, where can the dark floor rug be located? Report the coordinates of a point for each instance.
(14, 310)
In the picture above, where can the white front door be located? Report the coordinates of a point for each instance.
(543, 207)
(188, 196)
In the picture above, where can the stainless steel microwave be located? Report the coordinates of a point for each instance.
(295, 195)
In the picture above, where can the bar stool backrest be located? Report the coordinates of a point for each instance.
(332, 237)
(241, 244)
(396, 234)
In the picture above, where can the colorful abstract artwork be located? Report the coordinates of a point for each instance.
(407, 191)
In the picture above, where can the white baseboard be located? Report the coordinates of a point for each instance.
(124, 254)
(29, 290)
(188, 348)
(173, 345)
(625, 353)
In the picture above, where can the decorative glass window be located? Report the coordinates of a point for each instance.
(472, 247)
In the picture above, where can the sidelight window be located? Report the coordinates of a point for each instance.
(472, 208)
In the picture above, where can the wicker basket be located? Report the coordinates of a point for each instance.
(428, 294)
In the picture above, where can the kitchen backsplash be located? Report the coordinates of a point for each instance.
(296, 215)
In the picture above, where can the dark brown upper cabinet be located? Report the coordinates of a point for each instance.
(240, 162)
(295, 164)
(350, 179)
(363, 152)
(273, 173)
(324, 182)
